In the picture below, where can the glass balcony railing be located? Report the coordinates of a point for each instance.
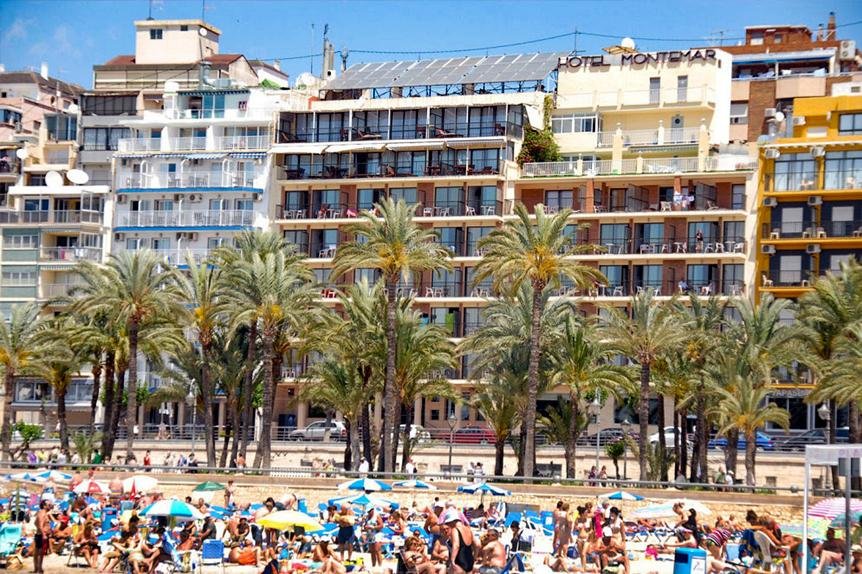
(217, 218)
(70, 253)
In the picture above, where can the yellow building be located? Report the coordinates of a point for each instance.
(809, 218)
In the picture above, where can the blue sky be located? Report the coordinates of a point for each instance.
(73, 35)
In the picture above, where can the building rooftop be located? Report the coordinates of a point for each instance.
(129, 60)
(35, 78)
(161, 23)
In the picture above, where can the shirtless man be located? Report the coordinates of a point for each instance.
(493, 554)
(43, 536)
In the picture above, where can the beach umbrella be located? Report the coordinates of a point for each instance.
(172, 509)
(364, 500)
(209, 486)
(816, 528)
(90, 486)
(52, 475)
(653, 511)
(832, 507)
(415, 484)
(483, 487)
(621, 495)
(287, 519)
(365, 485)
(26, 477)
(841, 520)
(140, 483)
(699, 507)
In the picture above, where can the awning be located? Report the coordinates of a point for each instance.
(459, 143)
(535, 117)
(123, 154)
(664, 148)
(300, 148)
(248, 155)
(354, 147)
(211, 92)
(811, 143)
(204, 155)
(415, 144)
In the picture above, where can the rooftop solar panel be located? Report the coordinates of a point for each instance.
(443, 71)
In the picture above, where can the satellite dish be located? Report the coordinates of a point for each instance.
(779, 117)
(78, 176)
(202, 32)
(628, 43)
(53, 179)
(22, 153)
(73, 109)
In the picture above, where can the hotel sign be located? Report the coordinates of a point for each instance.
(637, 59)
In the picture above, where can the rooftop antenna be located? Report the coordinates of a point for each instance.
(312, 49)
(150, 10)
(720, 34)
(203, 10)
(344, 54)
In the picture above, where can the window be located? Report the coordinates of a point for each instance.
(850, 124)
(614, 236)
(574, 123)
(161, 244)
(559, 199)
(648, 276)
(451, 197)
(777, 39)
(756, 39)
(699, 276)
(408, 194)
(836, 259)
(789, 269)
(795, 172)
(62, 127)
(109, 105)
(244, 205)
(739, 112)
(732, 279)
(682, 88)
(792, 220)
(654, 90)
(184, 28)
(737, 196)
(843, 170)
(33, 391)
(368, 197)
(156, 34)
(21, 242)
(104, 139)
(9, 116)
(734, 231)
(18, 277)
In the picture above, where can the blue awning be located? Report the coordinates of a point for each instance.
(249, 155)
(205, 155)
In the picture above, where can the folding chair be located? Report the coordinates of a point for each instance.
(212, 554)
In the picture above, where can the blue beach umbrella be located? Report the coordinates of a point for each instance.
(363, 500)
(54, 475)
(483, 487)
(621, 495)
(172, 509)
(415, 484)
(365, 485)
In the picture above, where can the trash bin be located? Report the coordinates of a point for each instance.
(689, 561)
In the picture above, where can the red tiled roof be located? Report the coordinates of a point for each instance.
(121, 60)
(223, 58)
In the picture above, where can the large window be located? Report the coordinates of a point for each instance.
(16, 277)
(732, 279)
(843, 170)
(104, 139)
(574, 123)
(557, 200)
(795, 172)
(739, 112)
(789, 269)
(614, 236)
(62, 127)
(474, 235)
(9, 116)
(92, 105)
(648, 276)
(850, 124)
(368, 197)
(21, 241)
(737, 196)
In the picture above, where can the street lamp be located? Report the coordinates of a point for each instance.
(191, 400)
(594, 408)
(451, 437)
(626, 424)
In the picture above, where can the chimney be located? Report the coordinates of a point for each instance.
(44, 70)
(328, 60)
(276, 64)
(819, 36)
(830, 28)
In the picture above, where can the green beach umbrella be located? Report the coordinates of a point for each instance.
(209, 486)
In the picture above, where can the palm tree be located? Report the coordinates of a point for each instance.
(20, 353)
(136, 289)
(497, 400)
(270, 292)
(643, 337)
(581, 362)
(743, 406)
(523, 252)
(839, 378)
(397, 247)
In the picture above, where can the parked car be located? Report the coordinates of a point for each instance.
(317, 431)
(608, 436)
(418, 433)
(761, 440)
(474, 435)
(797, 442)
(669, 436)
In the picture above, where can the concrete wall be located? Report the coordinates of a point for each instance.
(176, 45)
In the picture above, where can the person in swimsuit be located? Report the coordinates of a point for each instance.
(461, 542)
(345, 537)
(416, 558)
(371, 527)
(583, 526)
(87, 545)
(562, 529)
(41, 539)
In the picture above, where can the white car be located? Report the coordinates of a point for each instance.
(669, 433)
(317, 430)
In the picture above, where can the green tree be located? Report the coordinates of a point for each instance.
(643, 336)
(616, 450)
(396, 246)
(138, 290)
(497, 400)
(535, 253)
(20, 353)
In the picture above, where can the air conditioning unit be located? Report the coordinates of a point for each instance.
(121, 199)
(818, 151)
(194, 198)
(772, 153)
(810, 249)
(799, 120)
(767, 249)
(769, 112)
(179, 197)
(193, 236)
(257, 196)
(119, 236)
(815, 200)
(770, 202)
(847, 50)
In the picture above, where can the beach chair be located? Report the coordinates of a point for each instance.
(10, 537)
(515, 562)
(212, 554)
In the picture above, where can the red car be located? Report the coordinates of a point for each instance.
(474, 435)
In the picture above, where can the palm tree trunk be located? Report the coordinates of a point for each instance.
(396, 434)
(853, 431)
(522, 440)
(572, 439)
(8, 392)
(132, 406)
(389, 395)
(96, 371)
(236, 430)
(365, 432)
(408, 424)
(702, 439)
(248, 389)
(750, 450)
(222, 461)
(207, 398)
(677, 460)
(731, 452)
(60, 392)
(662, 440)
(263, 456)
(353, 436)
(499, 455)
(643, 421)
(118, 409)
(529, 450)
(682, 438)
(107, 417)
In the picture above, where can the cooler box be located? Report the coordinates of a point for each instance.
(689, 561)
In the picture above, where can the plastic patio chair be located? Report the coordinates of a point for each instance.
(212, 553)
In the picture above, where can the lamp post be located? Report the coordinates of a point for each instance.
(594, 408)
(825, 414)
(451, 420)
(626, 424)
(191, 400)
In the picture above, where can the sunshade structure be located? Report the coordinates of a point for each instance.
(90, 486)
(365, 485)
(621, 495)
(832, 507)
(816, 528)
(52, 475)
(140, 483)
(415, 485)
(209, 486)
(288, 520)
(665, 509)
(484, 487)
(364, 500)
(172, 509)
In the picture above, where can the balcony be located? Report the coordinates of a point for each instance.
(128, 145)
(56, 290)
(394, 170)
(188, 143)
(849, 179)
(71, 254)
(650, 137)
(813, 230)
(649, 98)
(209, 114)
(785, 278)
(180, 257)
(69, 216)
(9, 166)
(670, 166)
(232, 143)
(665, 246)
(169, 180)
(204, 218)
(407, 131)
(9, 216)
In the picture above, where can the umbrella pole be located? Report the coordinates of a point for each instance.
(848, 557)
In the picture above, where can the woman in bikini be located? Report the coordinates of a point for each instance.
(461, 542)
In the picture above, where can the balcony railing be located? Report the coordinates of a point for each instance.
(9, 216)
(406, 132)
(642, 98)
(214, 218)
(186, 180)
(178, 257)
(53, 290)
(228, 143)
(71, 253)
(140, 144)
(188, 143)
(70, 216)
(634, 166)
(849, 179)
(666, 246)
(791, 230)
(785, 278)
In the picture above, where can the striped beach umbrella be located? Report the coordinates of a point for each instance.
(365, 485)
(832, 507)
(483, 487)
(415, 484)
(172, 509)
(364, 500)
(621, 495)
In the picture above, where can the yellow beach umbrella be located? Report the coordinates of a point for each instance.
(285, 519)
